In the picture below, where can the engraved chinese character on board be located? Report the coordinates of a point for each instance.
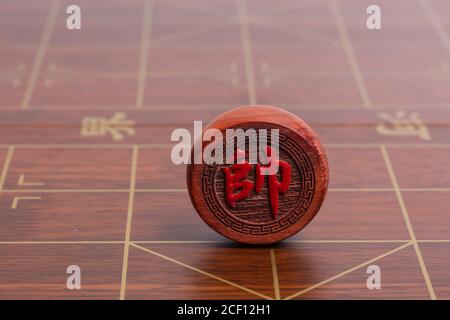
(402, 123)
(117, 126)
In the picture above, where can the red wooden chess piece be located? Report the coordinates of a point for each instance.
(251, 201)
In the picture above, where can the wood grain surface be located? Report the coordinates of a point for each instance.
(85, 123)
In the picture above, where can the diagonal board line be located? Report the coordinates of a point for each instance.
(301, 34)
(402, 205)
(437, 24)
(247, 50)
(205, 10)
(348, 271)
(6, 164)
(45, 40)
(198, 7)
(200, 271)
(351, 57)
(123, 283)
(145, 43)
(192, 32)
(276, 283)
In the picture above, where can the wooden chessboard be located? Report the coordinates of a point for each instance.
(85, 123)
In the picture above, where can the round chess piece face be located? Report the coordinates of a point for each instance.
(261, 175)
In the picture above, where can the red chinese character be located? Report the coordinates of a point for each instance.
(236, 174)
(234, 179)
(275, 186)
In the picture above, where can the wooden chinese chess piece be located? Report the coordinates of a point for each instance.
(248, 201)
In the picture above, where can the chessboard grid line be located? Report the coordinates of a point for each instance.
(247, 49)
(144, 51)
(276, 282)
(407, 220)
(441, 30)
(216, 73)
(127, 240)
(6, 165)
(167, 145)
(49, 27)
(208, 107)
(349, 51)
(183, 190)
(390, 145)
(362, 241)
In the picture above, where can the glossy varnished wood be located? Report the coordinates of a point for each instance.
(74, 195)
